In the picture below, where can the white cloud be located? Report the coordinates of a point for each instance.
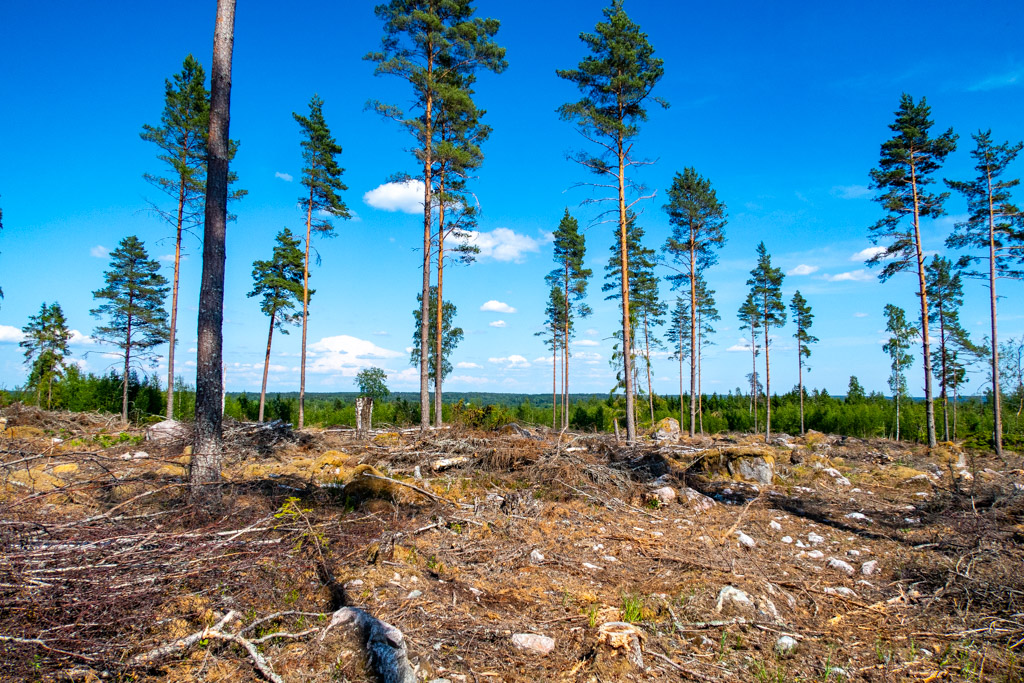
(497, 307)
(406, 197)
(79, 339)
(542, 360)
(498, 323)
(803, 269)
(345, 355)
(99, 251)
(513, 361)
(865, 254)
(860, 315)
(382, 333)
(591, 332)
(860, 275)
(586, 342)
(287, 177)
(502, 244)
(10, 335)
(741, 345)
(468, 379)
(851, 191)
(587, 356)
(468, 366)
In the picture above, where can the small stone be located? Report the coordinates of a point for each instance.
(841, 566)
(593, 567)
(814, 554)
(800, 544)
(774, 526)
(696, 500)
(815, 539)
(413, 595)
(533, 642)
(609, 558)
(853, 553)
(354, 583)
(859, 516)
(786, 539)
(841, 590)
(786, 646)
(536, 556)
(869, 568)
(745, 541)
(664, 495)
(732, 597)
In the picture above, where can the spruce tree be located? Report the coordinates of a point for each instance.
(205, 466)
(698, 220)
(437, 47)
(804, 319)
(46, 338)
(280, 282)
(905, 167)
(616, 81)
(993, 226)
(570, 277)
(321, 178)
(901, 336)
(135, 317)
(181, 138)
(945, 296)
(766, 289)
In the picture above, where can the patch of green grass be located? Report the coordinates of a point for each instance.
(632, 608)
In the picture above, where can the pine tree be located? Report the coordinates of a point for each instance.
(993, 226)
(556, 326)
(615, 81)
(698, 220)
(181, 138)
(707, 313)
(136, 320)
(437, 47)
(46, 338)
(321, 178)
(204, 468)
(570, 277)
(678, 335)
(901, 335)
(855, 391)
(750, 320)
(450, 336)
(766, 287)
(804, 319)
(280, 281)
(904, 172)
(946, 296)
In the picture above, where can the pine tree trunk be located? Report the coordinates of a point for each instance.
(945, 374)
(997, 408)
(925, 338)
(693, 337)
(127, 361)
(800, 362)
(554, 373)
(428, 167)
(627, 342)
(174, 303)
(565, 353)
(680, 381)
(439, 312)
(767, 377)
(206, 461)
(266, 366)
(753, 375)
(700, 388)
(305, 313)
(647, 356)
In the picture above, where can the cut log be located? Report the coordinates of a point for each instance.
(364, 416)
(384, 644)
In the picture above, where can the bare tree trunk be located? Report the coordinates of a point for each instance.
(700, 388)
(693, 337)
(206, 461)
(767, 378)
(428, 168)
(565, 353)
(305, 314)
(647, 355)
(680, 382)
(800, 361)
(438, 358)
(554, 373)
(945, 375)
(997, 407)
(127, 368)
(925, 338)
(753, 374)
(627, 342)
(174, 303)
(266, 366)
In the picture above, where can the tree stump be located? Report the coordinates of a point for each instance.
(364, 416)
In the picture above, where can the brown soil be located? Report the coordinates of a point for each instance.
(103, 558)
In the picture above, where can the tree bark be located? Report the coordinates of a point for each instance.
(627, 345)
(925, 338)
(554, 373)
(800, 362)
(266, 367)
(305, 314)
(127, 365)
(565, 353)
(206, 461)
(700, 388)
(647, 352)
(945, 374)
(438, 358)
(767, 377)
(428, 162)
(997, 408)
(693, 336)
(681, 381)
(174, 302)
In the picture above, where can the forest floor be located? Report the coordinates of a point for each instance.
(860, 560)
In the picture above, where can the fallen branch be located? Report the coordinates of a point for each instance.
(428, 494)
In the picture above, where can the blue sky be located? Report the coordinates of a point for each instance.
(783, 108)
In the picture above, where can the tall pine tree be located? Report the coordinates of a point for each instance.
(698, 220)
(905, 167)
(133, 308)
(750, 320)
(281, 282)
(556, 327)
(804, 319)
(901, 336)
(321, 178)
(993, 226)
(437, 47)
(945, 296)
(678, 335)
(46, 339)
(766, 290)
(616, 81)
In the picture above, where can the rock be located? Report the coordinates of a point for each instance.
(800, 544)
(532, 642)
(168, 430)
(786, 539)
(536, 556)
(745, 541)
(697, 501)
(754, 468)
(666, 428)
(609, 558)
(592, 567)
(413, 595)
(869, 568)
(774, 526)
(664, 495)
(815, 539)
(841, 590)
(786, 646)
(837, 476)
(733, 599)
(813, 554)
(841, 566)
(859, 516)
